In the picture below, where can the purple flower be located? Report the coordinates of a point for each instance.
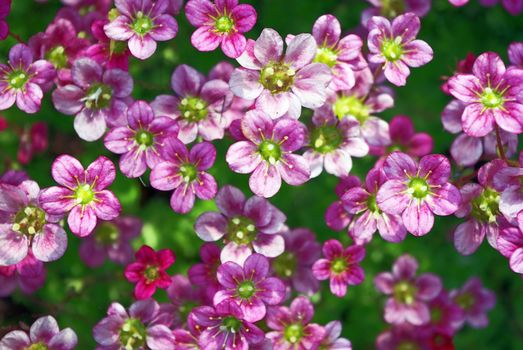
(492, 95)
(267, 153)
(96, 98)
(184, 297)
(340, 265)
(244, 225)
(510, 245)
(336, 217)
(395, 46)
(204, 274)
(220, 22)
(291, 327)
(392, 9)
(185, 172)
(142, 23)
(224, 327)
(509, 182)
(43, 334)
(333, 142)
(281, 84)
(5, 8)
(446, 316)
(82, 193)
(332, 338)
(475, 300)
(107, 52)
(146, 325)
(409, 294)
(403, 336)
(26, 227)
(361, 202)
(514, 7)
(515, 54)
(111, 239)
(198, 106)
(24, 80)
(141, 141)
(29, 274)
(417, 191)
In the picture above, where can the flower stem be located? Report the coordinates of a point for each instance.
(16, 37)
(501, 150)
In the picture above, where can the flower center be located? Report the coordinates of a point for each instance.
(133, 334)
(241, 230)
(491, 98)
(142, 24)
(189, 172)
(392, 49)
(29, 220)
(372, 204)
(277, 77)
(98, 96)
(57, 57)
(107, 234)
(151, 273)
(407, 345)
(405, 293)
(338, 265)
(293, 333)
(485, 207)
(84, 194)
(231, 324)
(327, 56)
(466, 301)
(326, 139)
(224, 24)
(285, 264)
(270, 151)
(351, 105)
(193, 109)
(37, 346)
(392, 8)
(246, 289)
(436, 314)
(17, 79)
(144, 138)
(418, 188)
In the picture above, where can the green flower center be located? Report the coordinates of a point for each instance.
(407, 345)
(142, 24)
(17, 79)
(151, 273)
(436, 314)
(37, 346)
(133, 334)
(277, 77)
(405, 293)
(144, 138)
(98, 96)
(231, 324)
(189, 172)
(246, 289)
(241, 230)
(327, 56)
(193, 109)
(392, 49)
(325, 139)
(224, 24)
(293, 333)
(107, 234)
(392, 8)
(270, 151)
(84, 194)
(491, 98)
(372, 204)
(339, 265)
(285, 264)
(57, 57)
(466, 301)
(351, 105)
(29, 220)
(418, 187)
(485, 207)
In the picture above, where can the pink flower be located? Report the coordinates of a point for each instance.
(515, 54)
(5, 8)
(475, 300)
(510, 245)
(203, 274)
(32, 142)
(149, 271)
(332, 338)
(29, 275)
(220, 22)
(446, 317)
(107, 52)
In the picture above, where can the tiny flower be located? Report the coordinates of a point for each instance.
(281, 84)
(336, 217)
(43, 334)
(203, 274)
(268, 153)
(107, 52)
(220, 23)
(149, 271)
(5, 8)
(95, 97)
(24, 80)
(409, 295)
(491, 95)
(395, 46)
(185, 172)
(142, 23)
(29, 275)
(475, 300)
(340, 265)
(249, 286)
(82, 193)
(332, 338)
(417, 191)
(145, 326)
(140, 142)
(244, 225)
(291, 327)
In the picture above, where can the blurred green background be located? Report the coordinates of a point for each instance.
(78, 297)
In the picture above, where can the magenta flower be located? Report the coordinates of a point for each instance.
(24, 80)
(184, 296)
(244, 225)
(395, 46)
(446, 317)
(107, 52)
(475, 300)
(509, 182)
(514, 7)
(96, 98)
(392, 9)
(336, 217)
(140, 142)
(463, 66)
(267, 153)
(142, 23)
(340, 265)
(29, 275)
(82, 193)
(417, 191)
(27, 228)
(146, 325)
(33, 140)
(332, 338)
(491, 95)
(198, 106)
(220, 23)
(510, 245)
(281, 84)
(111, 239)
(403, 336)
(291, 327)
(149, 271)
(203, 274)
(515, 54)
(224, 327)
(5, 8)
(409, 295)
(185, 172)
(361, 202)
(44, 334)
